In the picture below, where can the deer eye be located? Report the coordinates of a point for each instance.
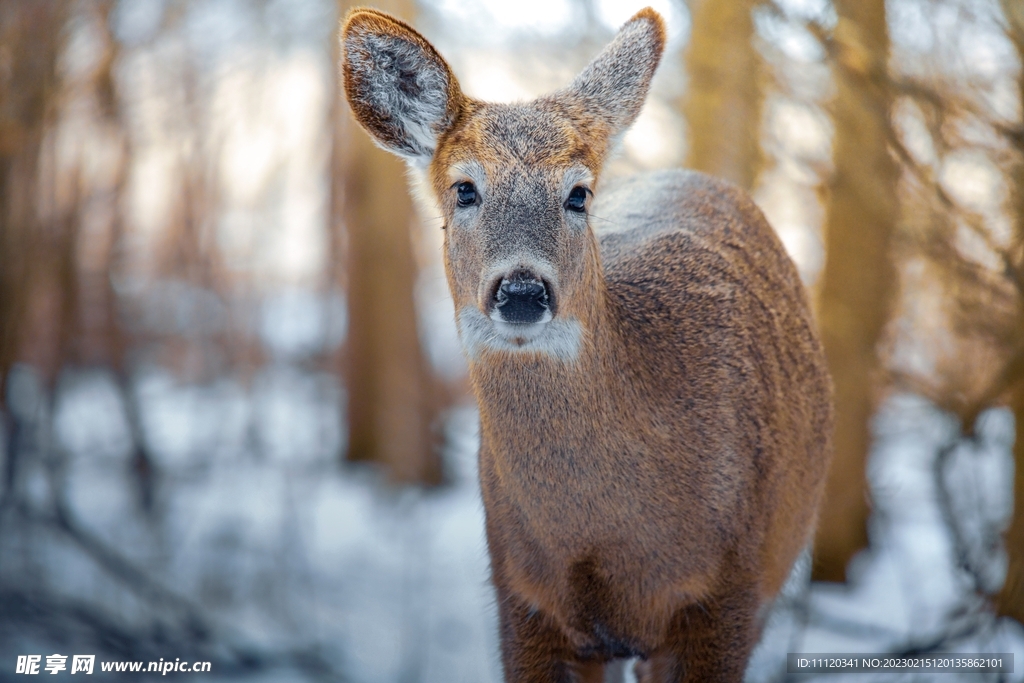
(577, 200)
(467, 194)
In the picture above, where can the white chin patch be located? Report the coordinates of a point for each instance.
(557, 338)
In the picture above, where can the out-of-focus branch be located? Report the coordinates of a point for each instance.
(1011, 375)
(127, 574)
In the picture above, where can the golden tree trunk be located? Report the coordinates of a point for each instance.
(392, 393)
(859, 277)
(722, 105)
(1010, 600)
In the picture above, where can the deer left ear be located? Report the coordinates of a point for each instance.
(400, 89)
(613, 87)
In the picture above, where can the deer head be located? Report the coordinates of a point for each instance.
(514, 182)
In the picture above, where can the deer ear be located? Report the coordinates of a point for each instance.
(400, 89)
(613, 87)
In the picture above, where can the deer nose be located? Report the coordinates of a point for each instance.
(521, 298)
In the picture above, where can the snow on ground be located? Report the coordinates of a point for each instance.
(257, 528)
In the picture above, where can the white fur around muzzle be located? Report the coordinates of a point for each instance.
(559, 338)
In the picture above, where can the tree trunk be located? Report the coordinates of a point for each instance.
(32, 255)
(1010, 601)
(859, 277)
(722, 105)
(391, 390)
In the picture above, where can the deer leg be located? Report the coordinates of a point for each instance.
(533, 648)
(708, 642)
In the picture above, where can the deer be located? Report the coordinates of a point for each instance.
(654, 402)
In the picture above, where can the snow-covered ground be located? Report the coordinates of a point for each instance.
(322, 572)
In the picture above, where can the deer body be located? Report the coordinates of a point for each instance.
(688, 463)
(654, 405)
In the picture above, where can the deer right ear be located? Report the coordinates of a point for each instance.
(400, 89)
(612, 88)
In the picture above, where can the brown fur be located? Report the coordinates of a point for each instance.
(649, 482)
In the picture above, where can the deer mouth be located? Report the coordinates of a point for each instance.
(559, 338)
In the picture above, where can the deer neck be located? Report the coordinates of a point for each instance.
(536, 402)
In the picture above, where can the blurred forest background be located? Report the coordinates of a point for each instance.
(234, 421)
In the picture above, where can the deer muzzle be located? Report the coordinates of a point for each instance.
(521, 298)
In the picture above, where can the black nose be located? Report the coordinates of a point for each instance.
(521, 298)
